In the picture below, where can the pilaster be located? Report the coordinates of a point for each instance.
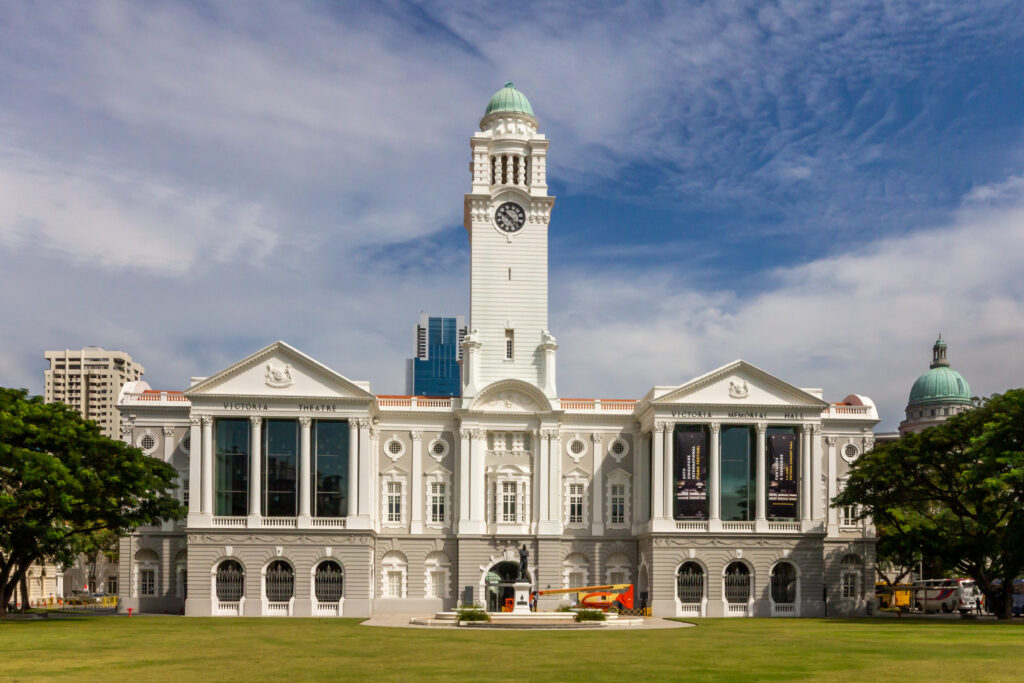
(597, 486)
(207, 444)
(305, 424)
(760, 521)
(195, 470)
(715, 479)
(416, 484)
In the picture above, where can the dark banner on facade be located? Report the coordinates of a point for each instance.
(782, 457)
(690, 474)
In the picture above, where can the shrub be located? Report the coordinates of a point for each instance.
(590, 615)
(565, 608)
(472, 613)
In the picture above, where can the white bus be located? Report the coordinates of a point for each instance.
(946, 595)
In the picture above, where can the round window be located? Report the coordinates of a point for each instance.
(618, 448)
(577, 447)
(147, 442)
(395, 447)
(186, 443)
(439, 447)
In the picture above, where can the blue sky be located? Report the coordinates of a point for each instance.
(819, 189)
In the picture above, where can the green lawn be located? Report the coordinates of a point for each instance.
(175, 648)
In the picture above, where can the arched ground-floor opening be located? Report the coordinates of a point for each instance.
(499, 585)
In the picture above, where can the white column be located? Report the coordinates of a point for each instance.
(539, 489)
(365, 471)
(762, 430)
(814, 453)
(668, 483)
(416, 484)
(597, 486)
(658, 472)
(352, 508)
(255, 470)
(639, 478)
(805, 472)
(833, 485)
(463, 466)
(195, 470)
(478, 483)
(715, 476)
(168, 433)
(555, 482)
(207, 445)
(305, 508)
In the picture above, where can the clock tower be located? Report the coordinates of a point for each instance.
(506, 214)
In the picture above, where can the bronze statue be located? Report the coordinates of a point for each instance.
(524, 557)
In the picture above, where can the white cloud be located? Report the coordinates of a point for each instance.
(861, 322)
(107, 218)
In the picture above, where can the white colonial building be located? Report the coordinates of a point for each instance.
(310, 495)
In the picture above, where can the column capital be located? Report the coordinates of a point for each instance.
(194, 420)
(549, 434)
(206, 419)
(465, 433)
(416, 434)
(830, 440)
(716, 427)
(597, 438)
(363, 422)
(255, 420)
(126, 428)
(168, 431)
(661, 426)
(479, 433)
(305, 421)
(815, 429)
(762, 427)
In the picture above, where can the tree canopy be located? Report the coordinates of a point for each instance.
(62, 481)
(954, 492)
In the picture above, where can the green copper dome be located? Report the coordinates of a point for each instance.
(941, 384)
(509, 99)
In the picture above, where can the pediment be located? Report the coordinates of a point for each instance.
(739, 384)
(511, 396)
(279, 371)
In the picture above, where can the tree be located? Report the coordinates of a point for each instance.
(91, 546)
(955, 492)
(61, 481)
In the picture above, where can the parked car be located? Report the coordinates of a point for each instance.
(80, 597)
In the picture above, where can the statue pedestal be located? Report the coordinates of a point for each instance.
(522, 601)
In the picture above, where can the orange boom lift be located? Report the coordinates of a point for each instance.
(609, 597)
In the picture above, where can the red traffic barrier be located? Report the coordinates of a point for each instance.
(129, 612)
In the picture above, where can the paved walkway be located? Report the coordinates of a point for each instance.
(402, 621)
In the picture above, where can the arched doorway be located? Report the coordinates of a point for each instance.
(499, 584)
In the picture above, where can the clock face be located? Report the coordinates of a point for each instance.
(510, 217)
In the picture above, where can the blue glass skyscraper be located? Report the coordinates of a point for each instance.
(435, 369)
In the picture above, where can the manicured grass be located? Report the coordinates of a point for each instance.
(176, 648)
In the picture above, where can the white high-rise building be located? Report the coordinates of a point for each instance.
(90, 380)
(311, 495)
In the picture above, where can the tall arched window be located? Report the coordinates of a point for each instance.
(784, 583)
(436, 568)
(329, 581)
(737, 583)
(393, 575)
(280, 581)
(230, 581)
(690, 583)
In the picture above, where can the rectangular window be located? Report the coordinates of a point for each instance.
(331, 471)
(849, 515)
(618, 504)
(393, 584)
(617, 577)
(509, 344)
(436, 585)
(280, 467)
(508, 502)
(184, 492)
(147, 582)
(849, 585)
(738, 473)
(575, 503)
(232, 467)
(111, 585)
(437, 502)
(394, 502)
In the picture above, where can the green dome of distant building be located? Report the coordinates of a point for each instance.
(508, 99)
(941, 384)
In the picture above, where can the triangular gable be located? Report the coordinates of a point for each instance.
(279, 370)
(739, 383)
